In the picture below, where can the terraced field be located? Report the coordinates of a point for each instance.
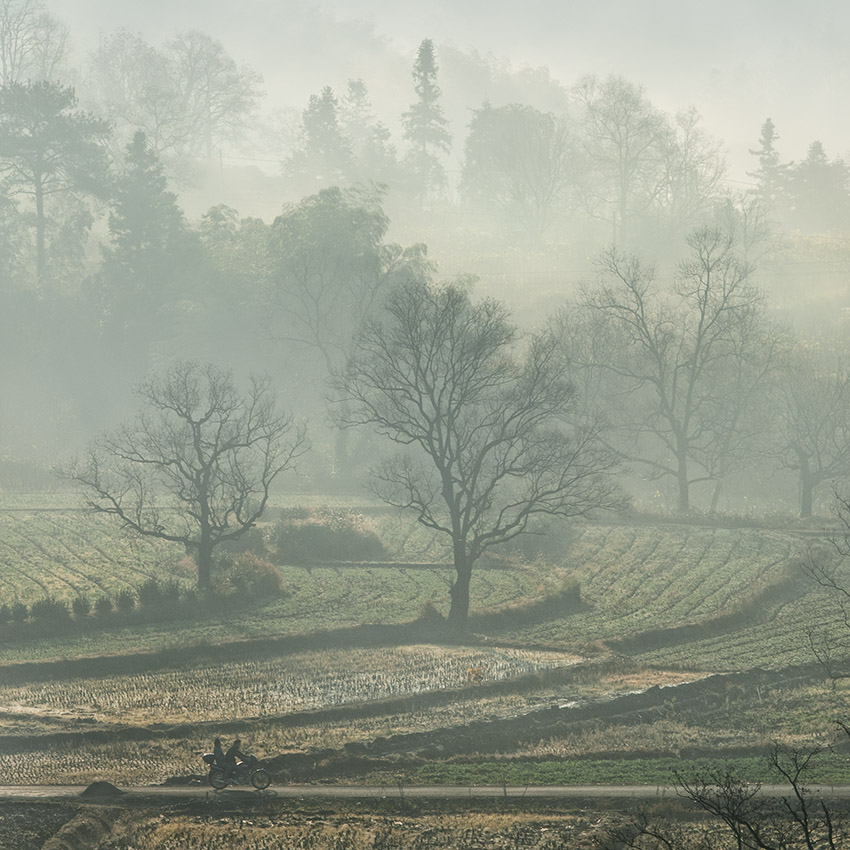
(64, 554)
(740, 590)
(636, 580)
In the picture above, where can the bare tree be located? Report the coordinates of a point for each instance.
(693, 168)
(135, 85)
(798, 819)
(813, 415)
(750, 819)
(623, 134)
(216, 96)
(196, 465)
(519, 161)
(486, 432)
(187, 96)
(830, 643)
(670, 358)
(33, 44)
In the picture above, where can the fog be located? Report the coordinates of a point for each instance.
(193, 228)
(737, 63)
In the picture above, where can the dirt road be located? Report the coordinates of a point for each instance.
(164, 794)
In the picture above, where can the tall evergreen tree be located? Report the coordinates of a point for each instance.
(146, 224)
(425, 127)
(771, 174)
(153, 256)
(324, 156)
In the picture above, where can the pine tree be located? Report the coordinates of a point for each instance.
(145, 221)
(819, 191)
(425, 127)
(371, 145)
(324, 157)
(153, 256)
(771, 175)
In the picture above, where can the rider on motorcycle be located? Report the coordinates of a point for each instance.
(218, 752)
(234, 752)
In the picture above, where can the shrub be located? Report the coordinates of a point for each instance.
(328, 535)
(19, 612)
(81, 607)
(49, 610)
(125, 601)
(150, 594)
(103, 606)
(429, 615)
(5, 613)
(171, 592)
(249, 575)
(252, 540)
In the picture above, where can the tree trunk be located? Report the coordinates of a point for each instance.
(715, 496)
(40, 252)
(205, 550)
(459, 611)
(684, 488)
(342, 459)
(807, 487)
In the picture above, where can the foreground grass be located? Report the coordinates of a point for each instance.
(830, 769)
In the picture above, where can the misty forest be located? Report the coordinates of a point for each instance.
(422, 418)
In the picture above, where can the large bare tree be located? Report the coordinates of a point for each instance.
(196, 465)
(486, 431)
(676, 360)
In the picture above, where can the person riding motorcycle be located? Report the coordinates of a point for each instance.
(218, 752)
(234, 752)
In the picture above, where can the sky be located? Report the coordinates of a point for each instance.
(737, 61)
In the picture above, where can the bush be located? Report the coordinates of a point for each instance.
(103, 606)
(328, 535)
(252, 540)
(125, 601)
(19, 612)
(5, 613)
(50, 610)
(150, 594)
(429, 615)
(171, 591)
(81, 607)
(249, 575)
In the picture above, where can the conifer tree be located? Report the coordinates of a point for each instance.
(153, 255)
(771, 174)
(425, 127)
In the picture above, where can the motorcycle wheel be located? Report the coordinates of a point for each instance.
(217, 779)
(260, 779)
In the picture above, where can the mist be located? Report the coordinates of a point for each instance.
(226, 198)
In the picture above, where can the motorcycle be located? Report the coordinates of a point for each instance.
(248, 771)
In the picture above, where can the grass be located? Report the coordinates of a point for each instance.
(831, 769)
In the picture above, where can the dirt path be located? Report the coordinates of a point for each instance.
(162, 795)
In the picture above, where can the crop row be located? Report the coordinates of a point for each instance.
(65, 555)
(639, 579)
(278, 686)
